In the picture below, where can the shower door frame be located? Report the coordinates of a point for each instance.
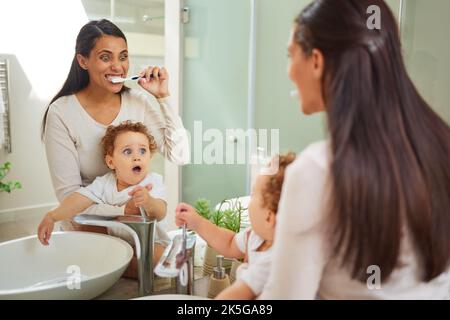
(173, 61)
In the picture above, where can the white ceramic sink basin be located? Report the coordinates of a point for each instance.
(75, 265)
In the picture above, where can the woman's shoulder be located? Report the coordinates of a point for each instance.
(138, 97)
(60, 104)
(65, 110)
(317, 154)
(136, 102)
(305, 191)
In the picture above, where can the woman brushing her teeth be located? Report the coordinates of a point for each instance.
(88, 102)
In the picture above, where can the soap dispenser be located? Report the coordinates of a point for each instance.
(218, 280)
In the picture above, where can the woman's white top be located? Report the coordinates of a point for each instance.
(302, 267)
(72, 140)
(104, 191)
(255, 271)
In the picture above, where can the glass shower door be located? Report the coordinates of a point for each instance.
(214, 97)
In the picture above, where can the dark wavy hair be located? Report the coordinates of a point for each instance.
(390, 151)
(78, 78)
(271, 191)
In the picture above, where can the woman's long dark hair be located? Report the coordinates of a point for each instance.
(78, 78)
(390, 151)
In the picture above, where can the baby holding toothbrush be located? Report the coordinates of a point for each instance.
(253, 244)
(127, 149)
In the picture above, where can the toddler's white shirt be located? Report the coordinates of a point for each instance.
(256, 271)
(103, 190)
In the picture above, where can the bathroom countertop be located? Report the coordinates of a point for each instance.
(125, 288)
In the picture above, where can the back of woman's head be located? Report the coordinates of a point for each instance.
(78, 78)
(391, 152)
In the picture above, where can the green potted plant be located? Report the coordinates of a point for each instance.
(202, 206)
(227, 215)
(7, 186)
(232, 219)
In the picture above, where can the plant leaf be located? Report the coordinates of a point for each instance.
(10, 185)
(202, 206)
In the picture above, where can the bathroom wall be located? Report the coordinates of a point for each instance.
(394, 5)
(426, 49)
(426, 46)
(275, 109)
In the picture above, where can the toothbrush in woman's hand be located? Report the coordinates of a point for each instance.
(119, 79)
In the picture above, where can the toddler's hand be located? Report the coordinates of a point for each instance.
(185, 214)
(141, 196)
(45, 229)
(131, 209)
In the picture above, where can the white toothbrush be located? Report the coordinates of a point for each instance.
(119, 79)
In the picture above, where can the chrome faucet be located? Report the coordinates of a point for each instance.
(185, 262)
(142, 229)
(178, 261)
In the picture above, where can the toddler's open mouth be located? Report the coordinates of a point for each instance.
(137, 169)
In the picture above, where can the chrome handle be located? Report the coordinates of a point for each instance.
(185, 17)
(233, 139)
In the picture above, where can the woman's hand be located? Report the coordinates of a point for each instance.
(185, 214)
(45, 229)
(158, 85)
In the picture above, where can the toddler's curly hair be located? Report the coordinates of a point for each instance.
(112, 132)
(271, 191)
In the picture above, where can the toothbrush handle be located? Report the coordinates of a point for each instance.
(138, 77)
(143, 214)
(184, 238)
